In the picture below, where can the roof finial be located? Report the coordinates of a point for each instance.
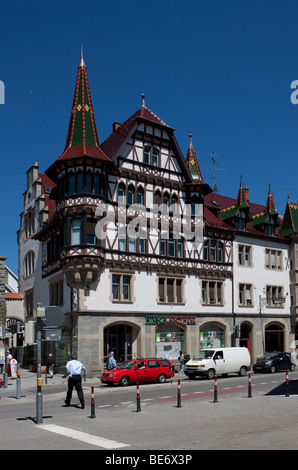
(190, 139)
(143, 100)
(82, 63)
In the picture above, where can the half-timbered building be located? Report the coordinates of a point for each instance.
(141, 255)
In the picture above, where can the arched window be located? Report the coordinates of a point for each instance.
(71, 183)
(130, 195)
(80, 184)
(96, 183)
(140, 196)
(165, 202)
(121, 194)
(29, 264)
(89, 182)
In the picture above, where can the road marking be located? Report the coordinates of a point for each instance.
(103, 406)
(83, 437)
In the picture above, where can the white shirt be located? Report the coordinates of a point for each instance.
(74, 367)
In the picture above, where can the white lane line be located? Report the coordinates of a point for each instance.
(83, 436)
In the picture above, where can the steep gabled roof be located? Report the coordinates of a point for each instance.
(113, 143)
(270, 211)
(241, 203)
(290, 220)
(192, 163)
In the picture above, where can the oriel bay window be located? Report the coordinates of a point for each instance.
(212, 293)
(171, 290)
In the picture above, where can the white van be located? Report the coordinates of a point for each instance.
(219, 361)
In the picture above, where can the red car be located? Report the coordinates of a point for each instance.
(139, 370)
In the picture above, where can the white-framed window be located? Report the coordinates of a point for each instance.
(273, 259)
(244, 255)
(245, 295)
(212, 293)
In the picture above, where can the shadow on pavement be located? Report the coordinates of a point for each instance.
(281, 389)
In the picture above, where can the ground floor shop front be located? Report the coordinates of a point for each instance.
(93, 336)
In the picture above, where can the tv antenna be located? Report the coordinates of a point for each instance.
(214, 168)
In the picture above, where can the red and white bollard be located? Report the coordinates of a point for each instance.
(179, 395)
(92, 403)
(215, 391)
(287, 384)
(249, 386)
(138, 399)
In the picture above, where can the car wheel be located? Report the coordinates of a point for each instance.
(272, 369)
(124, 381)
(242, 371)
(292, 367)
(210, 374)
(161, 379)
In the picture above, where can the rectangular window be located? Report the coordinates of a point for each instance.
(244, 255)
(212, 293)
(274, 296)
(76, 232)
(245, 294)
(273, 259)
(56, 293)
(170, 290)
(121, 288)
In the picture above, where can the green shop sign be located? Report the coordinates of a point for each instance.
(182, 319)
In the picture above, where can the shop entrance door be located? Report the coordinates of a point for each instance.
(118, 338)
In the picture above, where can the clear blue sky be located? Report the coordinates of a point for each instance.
(221, 69)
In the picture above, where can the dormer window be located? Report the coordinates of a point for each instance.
(270, 226)
(151, 156)
(241, 220)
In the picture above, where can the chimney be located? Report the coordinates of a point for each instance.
(116, 125)
(246, 192)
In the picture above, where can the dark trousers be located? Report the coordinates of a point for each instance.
(75, 381)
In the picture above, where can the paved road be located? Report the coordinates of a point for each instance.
(265, 421)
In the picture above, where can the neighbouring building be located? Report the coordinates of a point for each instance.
(104, 244)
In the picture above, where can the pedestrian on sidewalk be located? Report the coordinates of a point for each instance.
(50, 366)
(74, 369)
(111, 363)
(181, 360)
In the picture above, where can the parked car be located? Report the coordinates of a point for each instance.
(139, 370)
(220, 361)
(273, 362)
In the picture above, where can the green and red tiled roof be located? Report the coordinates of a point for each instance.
(270, 211)
(82, 138)
(242, 203)
(192, 163)
(290, 220)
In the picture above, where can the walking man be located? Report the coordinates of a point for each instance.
(74, 369)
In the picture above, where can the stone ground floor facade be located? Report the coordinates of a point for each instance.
(94, 335)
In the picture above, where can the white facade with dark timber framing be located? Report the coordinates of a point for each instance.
(138, 287)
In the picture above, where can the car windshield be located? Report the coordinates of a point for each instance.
(267, 357)
(127, 365)
(207, 354)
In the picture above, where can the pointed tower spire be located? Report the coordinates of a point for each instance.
(82, 126)
(82, 63)
(192, 162)
(82, 138)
